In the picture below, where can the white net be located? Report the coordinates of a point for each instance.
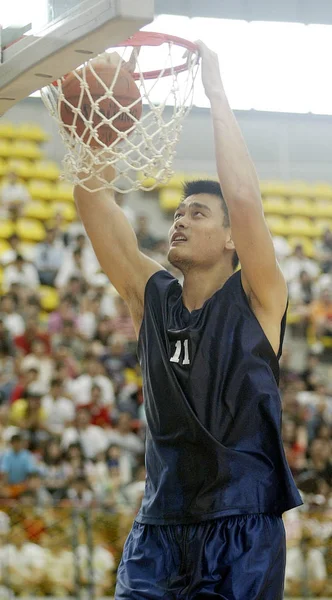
(124, 109)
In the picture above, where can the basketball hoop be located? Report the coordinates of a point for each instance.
(164, 69)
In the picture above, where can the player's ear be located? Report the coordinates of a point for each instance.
(229, 245)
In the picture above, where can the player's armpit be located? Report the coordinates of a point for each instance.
(115, 244)
(260, 270)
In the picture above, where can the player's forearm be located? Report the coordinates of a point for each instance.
(236, 171)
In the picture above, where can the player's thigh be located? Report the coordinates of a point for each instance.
(146, 565)
(243, 558)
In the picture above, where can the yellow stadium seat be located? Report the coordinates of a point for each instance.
(169, 199)
(303, 207)
(6, 229)
(30, 229)
(277, 224)
(31, 131)
(49, 297)
(4, 247)
(67, 210)
(39, 210)
(323, 207)
(300, 189)
(21, 166)
(39, 189)
(273, 188)
(63, 192)
(3, 167)
(43, 317)
(322, 190)
(302, 226)
(149, 183)
(25, 149)
(46, 169)
(323, 224)
(5, 148)
(7, 129)
(306, 243)
(275, 205)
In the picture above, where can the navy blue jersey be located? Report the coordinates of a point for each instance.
(213, 409)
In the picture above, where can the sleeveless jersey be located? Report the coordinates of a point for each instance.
(213, 409)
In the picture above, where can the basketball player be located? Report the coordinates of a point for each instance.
(217, 483)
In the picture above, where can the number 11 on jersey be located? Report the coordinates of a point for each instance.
(181, 353)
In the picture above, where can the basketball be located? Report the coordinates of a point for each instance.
(125, 92)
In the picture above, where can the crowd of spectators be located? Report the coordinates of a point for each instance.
(72, 421)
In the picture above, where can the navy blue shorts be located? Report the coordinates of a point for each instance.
(232, 558)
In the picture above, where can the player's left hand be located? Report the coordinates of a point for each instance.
(211, 77)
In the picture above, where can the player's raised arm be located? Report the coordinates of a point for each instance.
(260, 273)
(115, 244)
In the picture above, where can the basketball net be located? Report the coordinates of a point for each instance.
(143, 155)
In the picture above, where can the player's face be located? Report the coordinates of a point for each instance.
(198, 236)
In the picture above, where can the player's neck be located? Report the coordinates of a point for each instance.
(199, 286)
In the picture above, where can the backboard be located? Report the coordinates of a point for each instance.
(48, 38)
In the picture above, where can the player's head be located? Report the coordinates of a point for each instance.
(202, 220)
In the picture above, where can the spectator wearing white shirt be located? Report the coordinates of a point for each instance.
(59, 574)
(59, 410)
(48, 258)
(13, 321)
(40, 360)
(131, 446)
(9, 255)
(21, 272)
(23, 563)
(297, 262)
(93, 439)
(305, 569)
(103, 565)
(14, 196)
(81, 387)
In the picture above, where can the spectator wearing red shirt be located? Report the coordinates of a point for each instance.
(32, 332)
(20, 390)
(99, 413)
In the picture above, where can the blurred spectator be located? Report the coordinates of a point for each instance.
(13, 321)
(21, 272)
(146, 240)
(35, 485)
(32, 332)
(29, 415)
(312, 375)
(93, 439)
(324, 252)
(319, 465)
(122, 322)
(48, 258)
(64, 312)
(39, 359)
(297, 262)
(72, 266)
(14, 196)
(69, 337)
(54, 470)
(23, 564)
(99, 413)
(321, 314)
(17, 462)
(10, 255)
(59, 410)
(305, 569)
(82, 386)
(26, 379)
(80, 493)
(58, 579)
(123, 437)
(103, 564)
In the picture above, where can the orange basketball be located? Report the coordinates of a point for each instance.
(125, 91)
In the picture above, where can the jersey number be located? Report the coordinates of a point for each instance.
(181, 354)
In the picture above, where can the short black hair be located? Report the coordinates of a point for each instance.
(210, 186)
